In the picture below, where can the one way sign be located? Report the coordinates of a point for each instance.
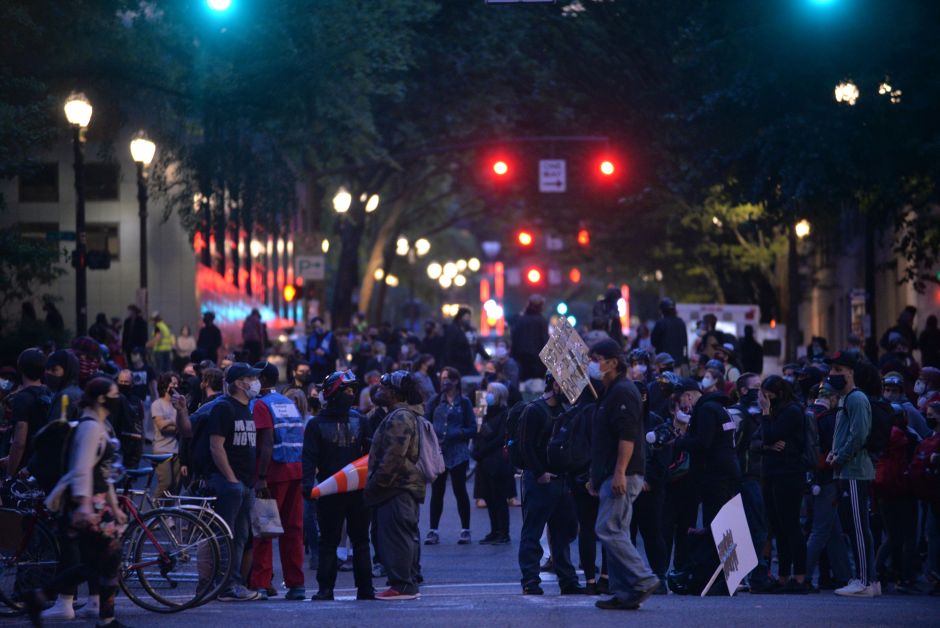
(552, 179)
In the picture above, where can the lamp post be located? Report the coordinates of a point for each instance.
(78, 113)
(796, 232)
(142, 151)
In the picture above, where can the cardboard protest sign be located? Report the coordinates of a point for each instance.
(567, 357)
(733, 541)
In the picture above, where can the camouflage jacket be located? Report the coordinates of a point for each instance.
(393, 459)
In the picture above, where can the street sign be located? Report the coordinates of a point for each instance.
(552, 179)
(310, 267)
(60, 236)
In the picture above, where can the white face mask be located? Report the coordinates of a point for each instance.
(254, 389)
(640, 368)
(920, 387)
(822, 402)
(707, 382)
(501, 352)
(683, 417)
(594, 371)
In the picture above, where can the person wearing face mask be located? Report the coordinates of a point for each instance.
(457, 350)
(747, 415)
(170, 419)
(853, 467)
(493, 469)
(279, 427)
(680, 509)
(451, 413)
(927, 388)
(893, 392)
(127, 419)
(639, 366)
(784, 479)
(145, 379)
(421, 372)
(507, 368)
(713, 380)
(61, 377)
(300, 378)
(89, 515)
(618, 464)
(322, 350)
(88, 352)
(333, 439)
(231, 467)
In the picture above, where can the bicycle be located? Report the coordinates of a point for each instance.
(29, 547)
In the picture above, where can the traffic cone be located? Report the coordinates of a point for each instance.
(352, 477)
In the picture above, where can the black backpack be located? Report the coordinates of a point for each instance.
(569, 447)
(881, 424)
(199, 453)
(51, 450)
(513, 437)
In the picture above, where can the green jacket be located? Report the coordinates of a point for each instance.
(393, 459)
(853, 423)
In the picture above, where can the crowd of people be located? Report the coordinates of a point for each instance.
(837, 459)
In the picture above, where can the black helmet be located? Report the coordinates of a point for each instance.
(337, 382)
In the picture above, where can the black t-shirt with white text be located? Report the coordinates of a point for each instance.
(233, 420)
(619, 416)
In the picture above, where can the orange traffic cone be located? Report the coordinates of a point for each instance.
(352, 477)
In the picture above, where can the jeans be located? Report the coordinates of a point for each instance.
(784, 496)
(396, 531)
(548, 504)
(855, 499)
(628, 571)
(826, 534)
(458, 482)
(753, 500)
(332, 512)
(233, 502)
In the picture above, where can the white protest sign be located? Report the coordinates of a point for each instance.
(567, 357)
(732, 537)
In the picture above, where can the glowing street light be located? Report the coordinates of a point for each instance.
(78, 110)
(372, 204)
(391, 281)
(802, 229)
(473, 264)
(445, 281)
(422, 247)
(142, 149)
(450, 270)
(402, 246)
(325, 246)
(460, 281)
(379, 274)
(435, 271)
(342, 201)
(461, 265)
(847, 92)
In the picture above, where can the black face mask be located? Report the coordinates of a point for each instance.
(341, 402)
(304, 378)
(53, 382)
(125, 389)
(838, 382)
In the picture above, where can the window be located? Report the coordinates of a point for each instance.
(101, 181)
(40, 185)
(103, 237)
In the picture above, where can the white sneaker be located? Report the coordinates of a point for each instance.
(855, 588)
(59, 610)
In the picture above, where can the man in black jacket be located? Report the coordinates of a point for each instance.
(333, 439)
(669, 335)
(710, 443)
(529, 336)
(135, 331)
(546, 498)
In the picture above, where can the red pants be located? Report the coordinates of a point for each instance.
(290, 544)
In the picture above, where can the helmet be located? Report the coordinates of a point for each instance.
(638, 355)
(404, 384)
(337, 382)
(667, 381)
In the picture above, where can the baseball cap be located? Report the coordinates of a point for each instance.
(240, 370)
(608, 349)
(664, 358)
(845, 358)
(893, 379)
(267, 370)
(687, 384)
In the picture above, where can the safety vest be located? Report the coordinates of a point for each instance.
(288, 428)
(167, 339)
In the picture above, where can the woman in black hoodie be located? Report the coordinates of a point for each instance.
(784, 479)
(493, 468)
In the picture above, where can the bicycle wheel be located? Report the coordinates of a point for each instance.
(29, 555)
(223, 536)
(170, 562)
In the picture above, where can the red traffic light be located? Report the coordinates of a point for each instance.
(584, 237)
(575, 275)
(525, 238)
(607, 168)
(533, 276)
(500, 168)
(289, 293)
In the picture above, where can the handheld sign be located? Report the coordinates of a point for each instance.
(736, 555)
(567, 358)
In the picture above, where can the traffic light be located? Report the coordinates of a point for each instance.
(534, 276)
(525, 238)
(574, 275)
(584, 237)
(500, 168)
(562, 308)
(289, 293)
(219, 5)
(607, 168)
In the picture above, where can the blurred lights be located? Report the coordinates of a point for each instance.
(450, 270)
(445, 281)
(372, 204)
(142, 149)
(402, 246)
(562, 308)
(460, 281)
(575, 275)
(534, 275)
(802, 229)
(461, 265)
(257, 249)
(500, 167)
(572, 320)
(584, 237)
(78, 109)
(473, 264)
(422, 247)
(325, 246)
(379, 274)
(342, 201)
(219, 5)
(622, 307)
(847, 92)
(391, 281)
(525, 238)
(289, 293)
(435, 271)
(607, 168)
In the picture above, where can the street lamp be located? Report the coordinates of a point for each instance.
(78, 113)
(422, 247)
(325, 246)
(847, 92)
(142, 151)
(342, 201)
(435, 270)
(802, 228)
(372, 204)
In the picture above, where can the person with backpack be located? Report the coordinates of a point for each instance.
(29, 406)
(782, 434)
(396, 485)
(333, 439)
(494, 472)
(455, 424)
(280, 436)
(826, 527)
(89, 515)
(853, 466)
(894, 500)
(194, 449)
(617, 467)
(546, 496)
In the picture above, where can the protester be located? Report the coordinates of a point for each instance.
(494, 472)
(253, 336)
(29, 406)
(529, 336)
(421, 370)
(322, 350)
(210, 337)
(161, 343)
(170, 417)
(183, 348)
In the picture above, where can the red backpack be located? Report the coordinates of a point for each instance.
(891, 470)
(924, 477)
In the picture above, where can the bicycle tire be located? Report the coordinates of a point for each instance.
(31, 564)
(173, 558)
(223, 536)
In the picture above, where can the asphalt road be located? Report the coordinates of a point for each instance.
(478, 585)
